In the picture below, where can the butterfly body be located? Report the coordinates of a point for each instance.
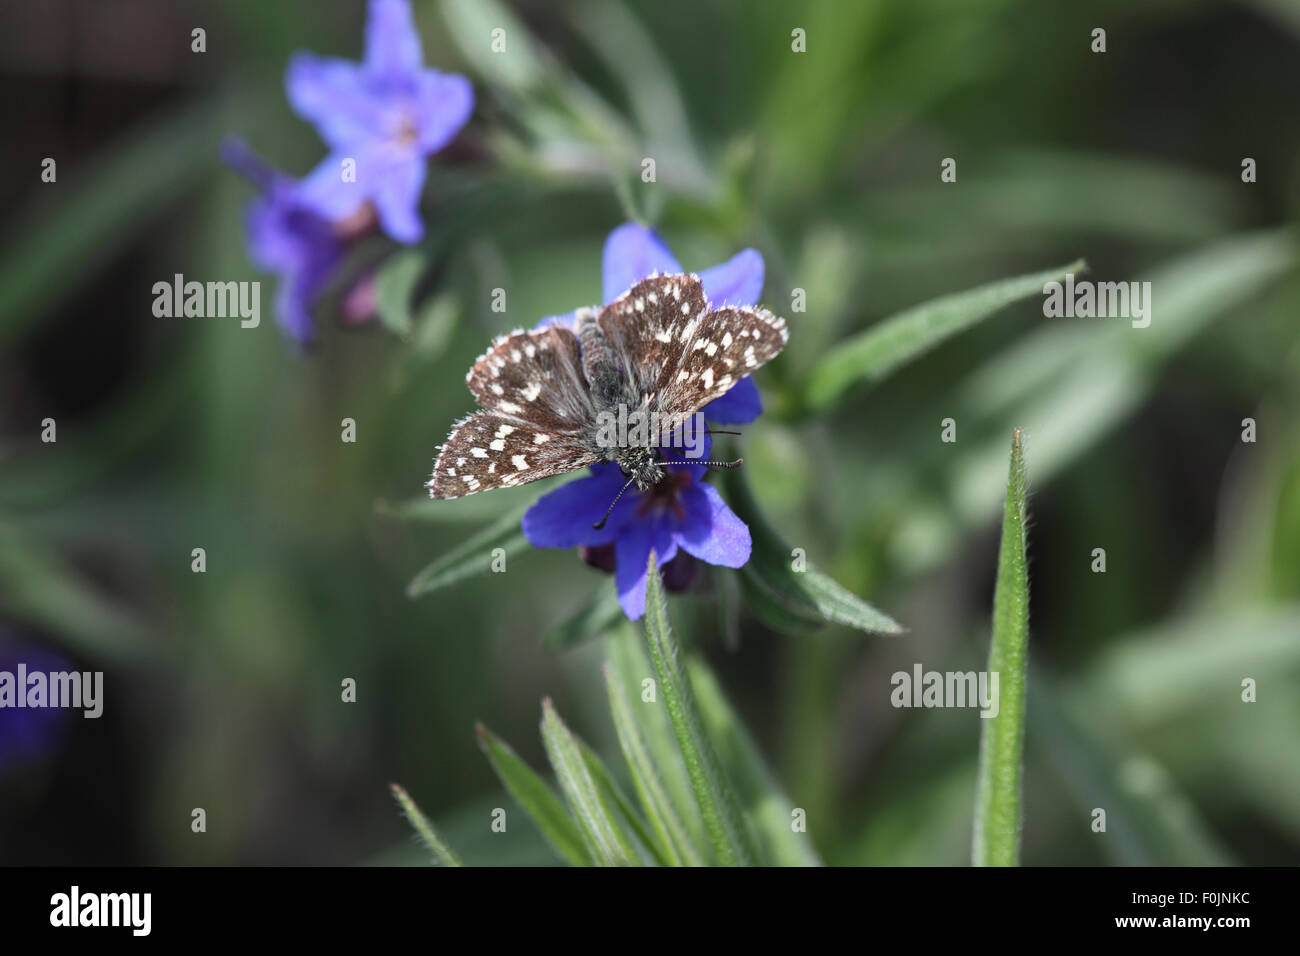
(653, 357)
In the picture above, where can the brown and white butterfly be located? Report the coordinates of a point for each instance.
(659, 348)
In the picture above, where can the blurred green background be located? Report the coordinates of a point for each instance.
(222, 689)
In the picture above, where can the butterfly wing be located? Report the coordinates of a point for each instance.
(536, 408)
(681, 353)
(536, 377)
(720, 349)
(644, 325)
(488, 450)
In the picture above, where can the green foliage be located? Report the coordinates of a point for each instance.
(1002, 736)
(442, 854)
(181, 433)
(712, 822)
(875, 353)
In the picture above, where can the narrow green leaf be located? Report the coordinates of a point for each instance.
(873, 354)
(1150, 821)
(474, 556)
(595, 618)
(442, 853)
(394, 287)
(808, 595)
(1002, 739)
(606, 841)
(39, 587)
(622, 810)
(471, 510)
(770, 809)
(518, 66)
(673, 838)
(535, 798)
(733, 845)
(636, 677)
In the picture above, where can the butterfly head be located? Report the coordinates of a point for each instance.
(641, 466)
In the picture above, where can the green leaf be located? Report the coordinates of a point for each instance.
(632, 667)
(394, 287)
(1069, 386)
(473, 509)
(520, 67)
(607, 842)
(441, 852)
(800, 596)
(1002, 739)
(595, 618)
(768, 806)
(535, 798)
(38, 586)
(624, 813)
(1149, 820)
(474, 556)
(673, 838)
(733, 845)
(873, 354)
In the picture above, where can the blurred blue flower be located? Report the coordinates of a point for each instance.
(28, 733)
(386, 115)
(286, 237)
(681, 513)
(633, 252)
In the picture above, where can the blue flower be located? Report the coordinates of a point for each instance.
(681, 513)
(289, 238)
(633, 252)
(386, 115)
(28, 734)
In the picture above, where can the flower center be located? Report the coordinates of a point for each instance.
(407, 133)
(666, 494)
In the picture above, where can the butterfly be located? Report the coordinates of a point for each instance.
(659, 353)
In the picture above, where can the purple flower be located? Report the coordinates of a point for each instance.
(681, 513)
(288, 238)
(633, 252)
(384, 115)
(27, 734)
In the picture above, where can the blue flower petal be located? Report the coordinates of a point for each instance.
(337, 97)
(740, 406)
(633, 252)
(397, 198)
(563, 518)
(287, 237)
(711, 531)
(738, 281)
(325, 191)
(633, 550)
(392, 43)
(292, 313)
(445, 103)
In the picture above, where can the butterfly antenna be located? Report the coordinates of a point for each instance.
(608, 511)
(708, 464)
(715, 431)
